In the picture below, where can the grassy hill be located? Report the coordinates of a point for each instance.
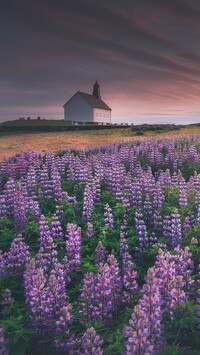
(35, 122)
(51, 125)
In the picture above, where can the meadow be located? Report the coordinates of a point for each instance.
(14, 142)
(100, 246)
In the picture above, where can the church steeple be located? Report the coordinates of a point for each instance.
(96, 90)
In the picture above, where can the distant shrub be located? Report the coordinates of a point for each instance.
(158, 128)
(139, 133)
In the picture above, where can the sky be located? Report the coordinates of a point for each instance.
(144, 53)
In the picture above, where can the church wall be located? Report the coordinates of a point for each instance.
(78, 110)
(100, 115)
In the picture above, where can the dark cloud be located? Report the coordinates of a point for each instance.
(141, 51)
(188, 10)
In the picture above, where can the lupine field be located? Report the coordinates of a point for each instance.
(100, 250)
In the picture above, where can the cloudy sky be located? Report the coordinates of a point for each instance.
(144, 53)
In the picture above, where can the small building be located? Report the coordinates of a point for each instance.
(83, 107)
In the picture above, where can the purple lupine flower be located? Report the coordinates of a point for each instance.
(187, 223)
(157, 222)
(184, 266)
(45, 295)
(198, 301)
(158, 197)
(137, 333)
(55, 289)
(2, 264)
(116, 282)
(141, 231)
(148, 209)
(124, 249)
(56, 227)
(151, 305)
(129, 276)
(109, 222)
(137, 194)
(20, 219)
(198, 214)
(191, 217)
(17, 257)
(3, 206)
(101, 253)
(34, 207)
(88, 295)
(175, 229)
(59, 210)
(47, 252)
(108, 288)
(88, 201)
(64, 341)
(31, 180)
(36, 298)
(73, 246)
(7, 298)
(45, 182)
(100, 294)
(176, 295)
(174, 272)
(91, 343)
(95, 183)
(183, 200)
(3, 343)
(145, 330)
(89, 230)
(123, 227)
(127, 195)
(56, 184)
(66, 269)
(166, 227)
(9, 193)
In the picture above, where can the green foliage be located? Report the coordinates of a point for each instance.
(47, 206)
(188, 168)
(17, 328)
(115, 343)
(31, 229)
(6, 238)
(174, 349)
(180, 329)
(171, 198)
(68, 186)
(6, 232)
(107, 197)
(68, 215)
(6, 222)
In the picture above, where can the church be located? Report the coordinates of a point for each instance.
(83, 107)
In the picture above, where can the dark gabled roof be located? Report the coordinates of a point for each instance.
(92, 100)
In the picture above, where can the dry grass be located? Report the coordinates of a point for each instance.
(41, 142)
(12, 144)
(183, 132)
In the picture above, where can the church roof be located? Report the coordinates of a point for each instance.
(92, 100)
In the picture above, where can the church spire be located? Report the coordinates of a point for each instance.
(96, 90)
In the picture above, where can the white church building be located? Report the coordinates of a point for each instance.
(83, 107)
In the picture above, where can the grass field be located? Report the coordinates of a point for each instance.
(31, 123)
(13, 143)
